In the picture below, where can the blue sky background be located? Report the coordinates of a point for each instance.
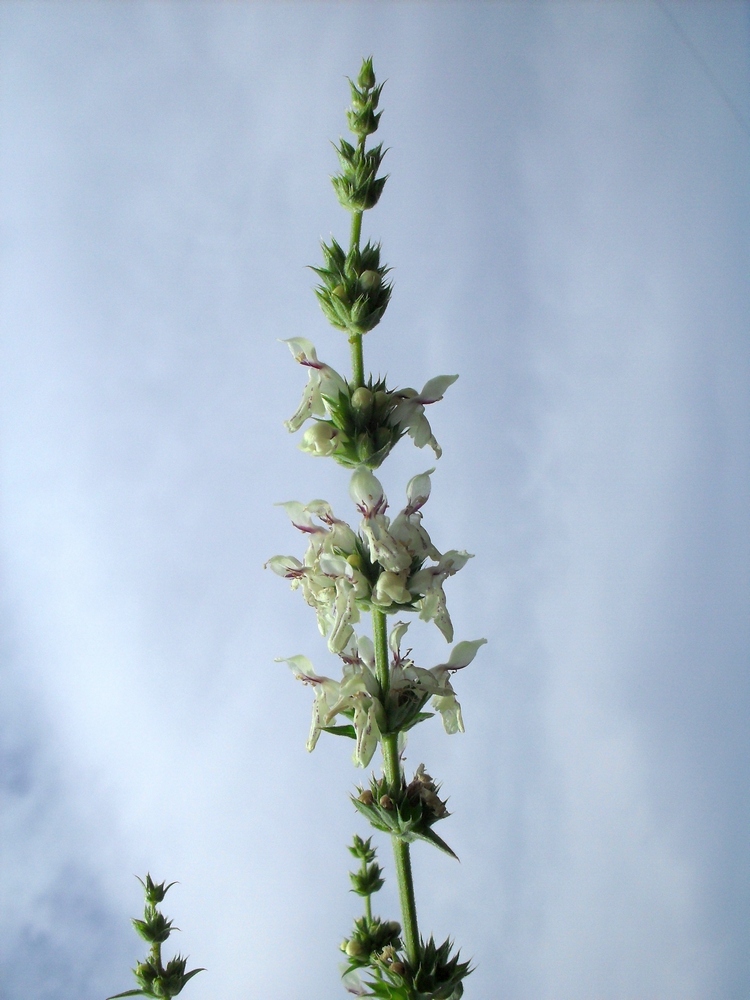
(567, 218)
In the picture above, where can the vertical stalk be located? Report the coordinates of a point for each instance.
(392, 769)
(355, 340)
(356, 230)
(358, 361)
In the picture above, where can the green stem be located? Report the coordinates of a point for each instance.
(355, 341)
(392, 769)
(156, 956)
(356, 230)
(358, 361)
(368, 909)
(380, 639)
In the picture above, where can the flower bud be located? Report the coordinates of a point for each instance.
(320, 439)
(386, 802)
(366, 78)
(366, 798)
(370, 281)
(390, 589)
(354, 948)
(361, 398)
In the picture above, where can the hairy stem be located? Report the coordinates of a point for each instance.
(358, 361)
(355, 340)
(392, 769)
(356, 230)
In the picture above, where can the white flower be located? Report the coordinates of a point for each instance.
(408, 414)
(389, 413)
(322, 439)
(326, 694)
(407, 526)
(322, 381)
(428, 583)
(391, 589)
(384, 565)
(356, 696)
(366, 492)
(409, 682)
(330, 581)
(370, 499)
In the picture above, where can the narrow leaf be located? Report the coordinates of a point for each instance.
(432, 838)
(340, 731)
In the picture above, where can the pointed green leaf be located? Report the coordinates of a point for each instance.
(432, 838)
(340, 731)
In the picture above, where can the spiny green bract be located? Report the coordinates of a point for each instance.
(367, 881)
(155, 927)
(154, 891)
(362, 849)
(357, 187)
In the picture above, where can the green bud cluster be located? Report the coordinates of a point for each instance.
(365, 96)
(406, 812)
(362, 849)
(153, 978)
(353, 294)
(436, 974)
(371, 934)
(360, 431)
(369, 879)
(357, 186)
(154, 891)
(369, 937)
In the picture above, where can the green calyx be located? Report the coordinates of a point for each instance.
(358, 187)
(154, 891)
(353, 293)
(367, 881)
(362, 849)
(155, 927)
(407, 812)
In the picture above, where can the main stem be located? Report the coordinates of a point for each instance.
(392, 768)
(355, 340)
